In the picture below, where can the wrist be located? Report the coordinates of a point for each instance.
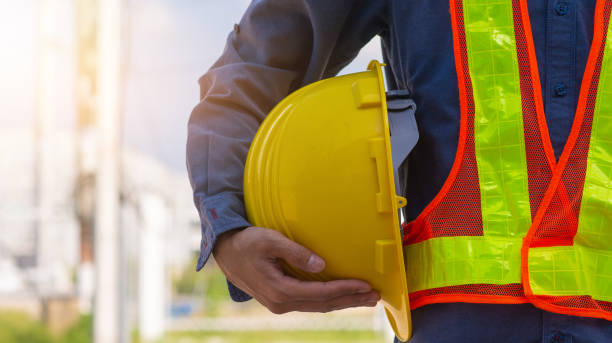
(224, 239)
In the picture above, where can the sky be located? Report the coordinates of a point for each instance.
(167, 46)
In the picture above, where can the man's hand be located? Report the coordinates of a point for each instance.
(250, 259)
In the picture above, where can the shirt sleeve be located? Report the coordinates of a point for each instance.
(278, 46)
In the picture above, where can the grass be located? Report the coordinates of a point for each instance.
(17, 327)
(20, 328)
(275, 337)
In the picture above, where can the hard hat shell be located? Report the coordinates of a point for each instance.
(319, 170)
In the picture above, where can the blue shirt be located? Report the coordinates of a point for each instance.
(281, 45)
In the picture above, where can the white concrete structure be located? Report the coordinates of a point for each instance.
(156, 208)
(152, 282)
(107, 308)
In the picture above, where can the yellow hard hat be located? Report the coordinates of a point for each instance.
(321, 171)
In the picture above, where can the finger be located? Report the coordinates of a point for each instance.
(321, 291)
(354, 300)
(296, 254)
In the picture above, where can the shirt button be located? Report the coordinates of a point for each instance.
(561, 8)
(557, 338)
(560, 89)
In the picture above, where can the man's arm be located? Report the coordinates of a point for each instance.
(278, 47)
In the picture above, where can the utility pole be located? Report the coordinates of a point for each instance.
(86, 86)
(107, 308)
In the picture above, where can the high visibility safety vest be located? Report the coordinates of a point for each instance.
(512, 224)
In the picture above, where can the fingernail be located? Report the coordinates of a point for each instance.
(364, 290)
(315, 264)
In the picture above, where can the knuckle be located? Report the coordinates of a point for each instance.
(283, 294)
(276, 308)
(303, 256)
(330, 292)
(327, 307)
(259, 244)
(327, 286)
(268, 234)
(277, 297)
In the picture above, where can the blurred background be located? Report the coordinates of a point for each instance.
(98, 232)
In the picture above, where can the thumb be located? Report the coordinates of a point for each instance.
(298, 256)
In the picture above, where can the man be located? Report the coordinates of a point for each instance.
(443, 51)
